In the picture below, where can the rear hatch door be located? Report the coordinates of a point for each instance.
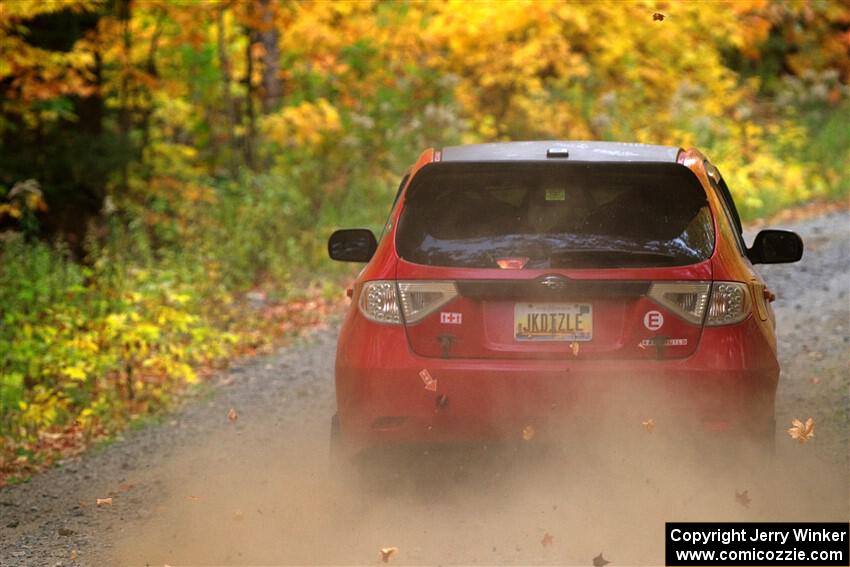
(554, 260)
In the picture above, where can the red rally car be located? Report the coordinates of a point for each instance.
(517, 283)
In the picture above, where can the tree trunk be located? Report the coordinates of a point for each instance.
(227, 98)
(250, 157)
(269, 36)
(124, 14)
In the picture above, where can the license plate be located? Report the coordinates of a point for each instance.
(553, 321)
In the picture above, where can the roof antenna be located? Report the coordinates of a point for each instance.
(557, 153)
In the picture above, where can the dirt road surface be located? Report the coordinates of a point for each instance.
(199, 490)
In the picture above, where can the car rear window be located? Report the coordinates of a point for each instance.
(555, 215)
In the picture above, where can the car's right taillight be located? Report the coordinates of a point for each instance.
(729, 304)
(685, 299)
(715, 303)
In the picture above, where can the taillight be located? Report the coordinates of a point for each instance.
(379, 300)
(726, 303)
(420, 299)
(729, 304)
(686, 299)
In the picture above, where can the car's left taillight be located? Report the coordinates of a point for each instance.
(379, 300)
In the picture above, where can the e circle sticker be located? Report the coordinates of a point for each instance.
(653, 320)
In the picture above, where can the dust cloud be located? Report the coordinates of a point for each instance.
(265, 494)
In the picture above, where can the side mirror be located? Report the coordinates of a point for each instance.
(352, 245)
(776, 247)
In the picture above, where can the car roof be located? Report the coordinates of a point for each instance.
(551, 150)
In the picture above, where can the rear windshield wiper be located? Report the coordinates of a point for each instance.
(609, 255)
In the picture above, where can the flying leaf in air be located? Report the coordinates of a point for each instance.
(528, 432)
(657, 17)
(574, 346)
(743, 498)
(232, 416)
(649, 424)
(800, 431)
(387, 552)
(547, 539)
(600, 561)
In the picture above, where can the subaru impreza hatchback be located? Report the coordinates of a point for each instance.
(517, 284)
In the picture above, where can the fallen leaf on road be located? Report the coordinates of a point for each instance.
(814, 380)
(800, 431)
(528, 432)
(600, 561)
(547, 539)
(232, 416)
(387, 552)
(649, 424)
(101, 502)
(743, 498)
(193, 498)
(73, 554)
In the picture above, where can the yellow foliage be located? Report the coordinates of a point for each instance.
(307, 124)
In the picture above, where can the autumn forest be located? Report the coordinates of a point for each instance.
(170, 169)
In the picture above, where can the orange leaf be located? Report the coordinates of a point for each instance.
(743, 498)
(101, 502)
(387, 552)
(800, 431)
(547, 539)
(528, 432)
(232, 416)
(649, 424)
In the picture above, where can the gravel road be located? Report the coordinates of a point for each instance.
(198, 489)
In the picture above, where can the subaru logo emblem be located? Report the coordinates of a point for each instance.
(554, 282)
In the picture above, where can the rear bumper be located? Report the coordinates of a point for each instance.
(728, 385)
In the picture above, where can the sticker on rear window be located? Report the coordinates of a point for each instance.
(449, 318)
(556, 194)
